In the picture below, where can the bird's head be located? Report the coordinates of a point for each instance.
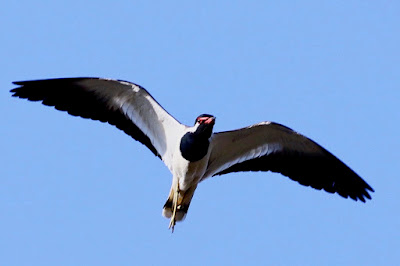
(204, 125)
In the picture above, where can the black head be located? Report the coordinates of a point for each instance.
(205, 124)
(195, 143)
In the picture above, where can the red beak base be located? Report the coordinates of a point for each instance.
(206, 120)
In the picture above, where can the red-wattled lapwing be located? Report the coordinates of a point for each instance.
(195, 153)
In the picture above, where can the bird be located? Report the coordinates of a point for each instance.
(196, 153)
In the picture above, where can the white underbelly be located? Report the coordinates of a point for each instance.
(188, 173)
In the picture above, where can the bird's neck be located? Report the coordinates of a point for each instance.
(194, 146)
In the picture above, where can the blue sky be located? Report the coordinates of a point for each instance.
(78, 192)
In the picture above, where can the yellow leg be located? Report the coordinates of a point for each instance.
(174, 208)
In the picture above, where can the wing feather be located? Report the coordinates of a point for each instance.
(125, 105)
(272, 147)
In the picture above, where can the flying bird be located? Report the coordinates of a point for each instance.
(195, 153)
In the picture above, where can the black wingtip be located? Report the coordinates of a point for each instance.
(15, 83)
(366, 194)
(19, 91)
(16, 91)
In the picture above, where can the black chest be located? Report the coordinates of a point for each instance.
(193, 147)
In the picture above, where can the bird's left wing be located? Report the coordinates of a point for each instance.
(272, 147)
(126, 105)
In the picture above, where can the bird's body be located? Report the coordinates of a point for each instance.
(195, 153)
(189, 165)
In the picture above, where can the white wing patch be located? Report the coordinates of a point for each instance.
(234, 147)
(140, 107)
(137, 112)
(162, 130)
(251, 154)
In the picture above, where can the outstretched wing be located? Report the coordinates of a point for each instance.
(126, 105)
(272, 147)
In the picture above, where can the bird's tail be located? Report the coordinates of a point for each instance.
(183, 199)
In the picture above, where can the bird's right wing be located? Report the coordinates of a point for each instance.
(126, 105)
(272, 147)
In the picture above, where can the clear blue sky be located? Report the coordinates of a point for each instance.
(78, 192)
